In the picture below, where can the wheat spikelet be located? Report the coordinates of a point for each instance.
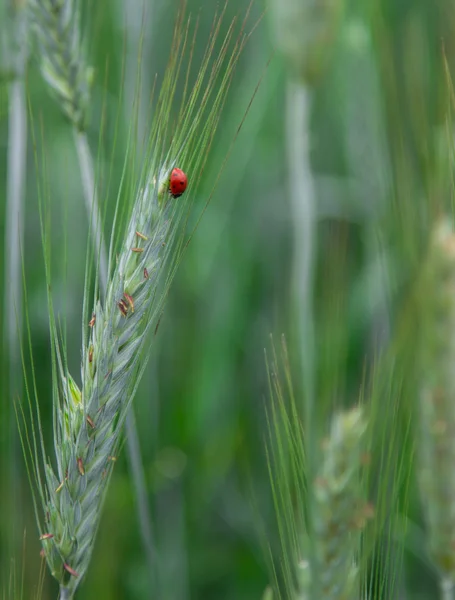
(56, 24)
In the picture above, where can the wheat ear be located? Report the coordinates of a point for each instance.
(88, 421)
(62, 64)
(340, 511)
(325, 566)
(56, 23)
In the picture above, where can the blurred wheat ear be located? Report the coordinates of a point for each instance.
(57, 26)
(339, 510)
(145, 251)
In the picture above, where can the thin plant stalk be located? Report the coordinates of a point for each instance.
(304, 220)
(15, 193)
(132, 436)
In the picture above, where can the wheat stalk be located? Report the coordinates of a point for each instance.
(88, 421)
(14, 28)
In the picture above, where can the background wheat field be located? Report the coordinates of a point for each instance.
(372, 147)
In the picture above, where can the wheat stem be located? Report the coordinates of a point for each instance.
(16, 178)
(304, 220)
(17, 149)
(304, 213)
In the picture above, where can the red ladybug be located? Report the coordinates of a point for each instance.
(177, 182)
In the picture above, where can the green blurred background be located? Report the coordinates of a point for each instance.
(376, 131)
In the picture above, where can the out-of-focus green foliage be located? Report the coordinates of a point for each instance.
(379, 154)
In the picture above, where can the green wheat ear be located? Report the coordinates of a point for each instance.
(56, 24)
(325, 566)
(143, 258)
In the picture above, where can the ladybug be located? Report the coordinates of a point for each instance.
(177, 182)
